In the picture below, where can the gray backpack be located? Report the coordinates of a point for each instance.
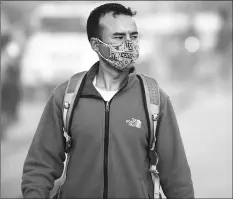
(152, 98)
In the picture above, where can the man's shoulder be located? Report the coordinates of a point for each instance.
(163, 94)
(59, 92)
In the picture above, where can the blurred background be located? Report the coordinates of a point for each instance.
(185, 45)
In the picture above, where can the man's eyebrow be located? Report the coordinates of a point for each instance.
(122, 33)
(118, 33)
(134, 33)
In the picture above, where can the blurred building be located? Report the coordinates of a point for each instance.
(57, 46)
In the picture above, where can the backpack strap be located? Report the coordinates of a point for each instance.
(152, 95)
(68, 103)
(71, 92)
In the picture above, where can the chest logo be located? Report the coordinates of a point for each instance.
(134, 123)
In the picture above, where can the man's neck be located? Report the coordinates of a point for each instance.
(109, 78)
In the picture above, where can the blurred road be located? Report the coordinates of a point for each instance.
(206, 129)
(205, 126)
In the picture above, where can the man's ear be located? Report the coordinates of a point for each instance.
(94, 44)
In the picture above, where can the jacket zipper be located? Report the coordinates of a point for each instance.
(106, 144)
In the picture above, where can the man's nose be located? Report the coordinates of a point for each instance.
(127, 37)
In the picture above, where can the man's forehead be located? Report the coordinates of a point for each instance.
(117, 23)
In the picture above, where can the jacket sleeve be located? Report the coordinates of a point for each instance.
(44, 161)
(175, 174)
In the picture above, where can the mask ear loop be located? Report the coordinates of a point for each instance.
(98, 52)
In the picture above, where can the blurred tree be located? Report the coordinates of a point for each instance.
(222, 52)
(17, 10)
(191, 7)
(12, 12)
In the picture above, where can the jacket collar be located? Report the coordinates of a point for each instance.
(89, 88)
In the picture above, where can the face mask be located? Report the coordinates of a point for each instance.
(122, 56)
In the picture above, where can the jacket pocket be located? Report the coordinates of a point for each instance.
(144, 189)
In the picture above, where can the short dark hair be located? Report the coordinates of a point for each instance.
(94, 17)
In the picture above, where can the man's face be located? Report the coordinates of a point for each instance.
(115, 30)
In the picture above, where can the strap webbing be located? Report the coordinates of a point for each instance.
(70, 96)
(72, 89)
(68, 106)
(153, 110)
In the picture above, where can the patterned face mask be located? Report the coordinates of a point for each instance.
(122, 56)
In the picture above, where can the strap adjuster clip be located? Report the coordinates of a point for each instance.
(68, 141)
(153, 169)
(155, 116)
(66, 105)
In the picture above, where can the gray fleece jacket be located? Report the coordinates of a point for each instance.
(109, 157)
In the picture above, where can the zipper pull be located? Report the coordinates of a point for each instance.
(107, 106)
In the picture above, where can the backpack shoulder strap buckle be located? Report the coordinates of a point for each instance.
(153, 170)
(68, 140)
(66, 105)
(155, 116)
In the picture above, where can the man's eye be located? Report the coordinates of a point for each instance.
(134, 36)
(120, 37)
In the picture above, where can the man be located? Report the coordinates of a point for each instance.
(109, 157)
